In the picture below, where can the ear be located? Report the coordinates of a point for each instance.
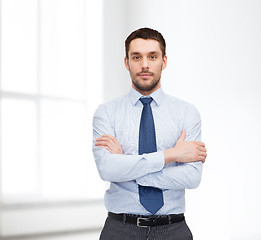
(126, 62)
(164, 65)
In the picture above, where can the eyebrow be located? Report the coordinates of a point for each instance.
(137, 53)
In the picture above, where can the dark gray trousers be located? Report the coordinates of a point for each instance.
(116, 230)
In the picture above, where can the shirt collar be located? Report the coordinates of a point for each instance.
(135, 96)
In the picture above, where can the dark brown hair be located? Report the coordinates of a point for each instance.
(146, 33)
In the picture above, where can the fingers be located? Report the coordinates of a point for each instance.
(202, 154)
(102, 143)
(182, 136)
(103, 146)
(202, 159)
(110, 143)
(105, 141)
(201, 149)
(199, 143)
(109, 136)
(106, 138)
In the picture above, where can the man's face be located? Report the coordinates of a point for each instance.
(145, 64)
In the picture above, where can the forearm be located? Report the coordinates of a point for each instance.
(182, 176)
(119, 167)
(122, 168)
(114, 166)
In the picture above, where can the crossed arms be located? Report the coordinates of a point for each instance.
(183, 151)
(176, 168)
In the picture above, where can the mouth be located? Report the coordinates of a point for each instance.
(145, 75)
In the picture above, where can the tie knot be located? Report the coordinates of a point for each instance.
(146, 101)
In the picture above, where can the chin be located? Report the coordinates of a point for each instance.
(146, 85)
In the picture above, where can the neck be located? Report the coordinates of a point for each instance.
(146, 93)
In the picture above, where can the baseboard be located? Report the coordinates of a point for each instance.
(51, 218)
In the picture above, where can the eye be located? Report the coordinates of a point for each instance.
(136, 58)
(153, 57)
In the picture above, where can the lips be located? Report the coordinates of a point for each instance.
(145, 75)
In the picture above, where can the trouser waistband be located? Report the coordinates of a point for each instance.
(147, 221)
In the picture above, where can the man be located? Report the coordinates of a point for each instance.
(140, 147)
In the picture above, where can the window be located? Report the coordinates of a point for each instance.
(50, 74)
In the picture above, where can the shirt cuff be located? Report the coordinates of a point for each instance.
(156, 161)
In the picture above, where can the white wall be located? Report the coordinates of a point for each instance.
(214, 59)
(114, 24)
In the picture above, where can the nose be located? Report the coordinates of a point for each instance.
(145, 64)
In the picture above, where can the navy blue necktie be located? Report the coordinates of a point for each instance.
(151, 198)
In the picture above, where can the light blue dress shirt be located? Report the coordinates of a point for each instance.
(121, 118)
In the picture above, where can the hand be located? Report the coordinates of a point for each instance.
(186, 151)
(110, 143)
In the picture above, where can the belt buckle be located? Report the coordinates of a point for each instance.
(138, 221)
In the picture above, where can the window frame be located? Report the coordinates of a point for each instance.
(33, 211)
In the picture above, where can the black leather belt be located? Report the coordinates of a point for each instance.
(147, 221)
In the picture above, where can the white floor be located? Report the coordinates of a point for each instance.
(68, 236)
(80, 236)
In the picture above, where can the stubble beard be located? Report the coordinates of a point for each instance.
(145, 87)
